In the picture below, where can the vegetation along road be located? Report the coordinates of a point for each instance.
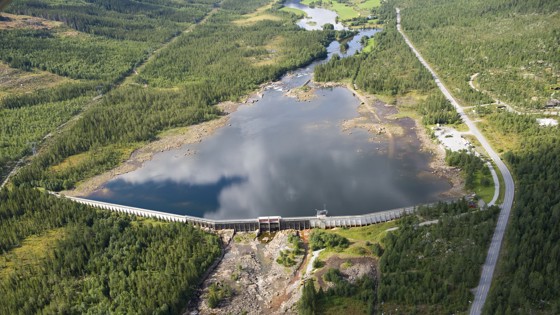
(494, 250)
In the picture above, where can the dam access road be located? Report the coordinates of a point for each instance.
(489, 266)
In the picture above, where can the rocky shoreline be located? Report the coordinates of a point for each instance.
(373, 117)
(172, 140)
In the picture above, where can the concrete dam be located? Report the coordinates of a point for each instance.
(264, 224)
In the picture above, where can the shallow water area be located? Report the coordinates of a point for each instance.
(281, 156)
(316, 17)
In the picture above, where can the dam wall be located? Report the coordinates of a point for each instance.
(263, 224)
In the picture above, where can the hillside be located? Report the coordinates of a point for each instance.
(84, 84)
(81, 89)
(513, 47)
(491, 55)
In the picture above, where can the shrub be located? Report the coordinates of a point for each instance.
(321, 239)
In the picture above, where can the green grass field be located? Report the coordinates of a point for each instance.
(344, 11)
(33, 250)
(484, 192)
(359, 238)
(367, 4)
(372, 233)
(148, 221)
(369, 47)
(299, 13)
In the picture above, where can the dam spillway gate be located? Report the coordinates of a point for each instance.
(263, 224)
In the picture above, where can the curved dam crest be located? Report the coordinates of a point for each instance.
(260, 224)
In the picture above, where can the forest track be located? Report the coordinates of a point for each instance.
(12, 172)
(481, 291)
(134, 71)
(508, 106)
(496, 101)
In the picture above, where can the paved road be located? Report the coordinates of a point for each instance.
(494, 250)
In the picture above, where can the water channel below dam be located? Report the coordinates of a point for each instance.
(284, 157)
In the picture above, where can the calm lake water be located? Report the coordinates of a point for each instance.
(281, 156)
(316, 17)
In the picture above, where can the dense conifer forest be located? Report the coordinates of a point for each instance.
(236, 59)
(432, 269)
(424, 269)
(315, 301)
(513, 46)
(89, 261)
(528, 273)
(128, 70)
(142, 21)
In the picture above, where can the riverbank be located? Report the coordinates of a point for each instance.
(377, 118)
(438, 164)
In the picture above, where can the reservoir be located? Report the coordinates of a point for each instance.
(287, 157)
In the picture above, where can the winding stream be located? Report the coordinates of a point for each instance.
(281, 156)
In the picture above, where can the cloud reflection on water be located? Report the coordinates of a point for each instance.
(278, 157)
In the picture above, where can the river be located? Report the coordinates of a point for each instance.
(282, 156)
